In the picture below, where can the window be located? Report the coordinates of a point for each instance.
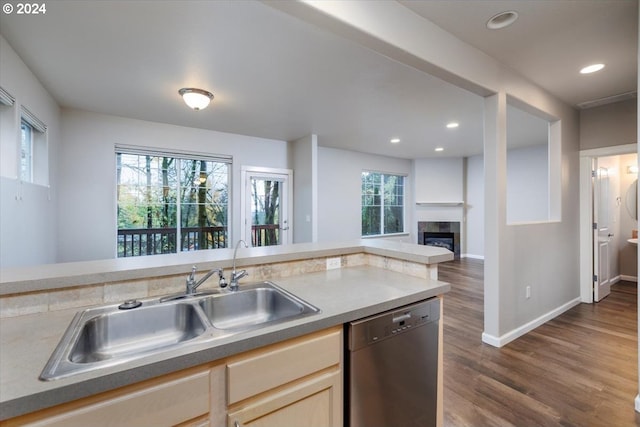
(169, 203)
(34, 157)
(382, 204)
(26, 152)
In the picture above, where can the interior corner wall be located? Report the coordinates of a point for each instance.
(474, 207)
(28, 212)
(303, 159)
(340, 187)
(609, 125)
(87, 172)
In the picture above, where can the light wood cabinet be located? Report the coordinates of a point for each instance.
(176, 399)
(296, 383)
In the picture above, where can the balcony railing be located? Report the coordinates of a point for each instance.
(155, 241)
(265, 235)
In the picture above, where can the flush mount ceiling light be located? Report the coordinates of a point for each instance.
(453, 125)
(502, 20)
(197, 99)
(439, 149)
(591, 68)
(394, 140)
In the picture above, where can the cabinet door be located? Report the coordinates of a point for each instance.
(315, 402)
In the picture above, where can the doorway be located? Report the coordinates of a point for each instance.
(607, 251)
(266, 208)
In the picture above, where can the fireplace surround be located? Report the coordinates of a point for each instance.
(441, 234)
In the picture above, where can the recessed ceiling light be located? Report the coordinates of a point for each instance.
(502, 20)
(394, 140)
(592, 68)
(439, 149)
(453, 125)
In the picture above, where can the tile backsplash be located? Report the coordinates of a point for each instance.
(112, 292)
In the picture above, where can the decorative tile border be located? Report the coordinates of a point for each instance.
(111, 292)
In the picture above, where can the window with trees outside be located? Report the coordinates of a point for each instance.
(26, 151)
(168, 203)
(382, 203)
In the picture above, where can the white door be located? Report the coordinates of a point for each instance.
(266, 207)
(601, 233)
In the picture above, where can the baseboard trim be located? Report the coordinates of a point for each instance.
(637, 403)
(520, 331)
(472, 256)
(615, 280)
(629, 278)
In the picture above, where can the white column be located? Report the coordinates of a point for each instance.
(495, 172)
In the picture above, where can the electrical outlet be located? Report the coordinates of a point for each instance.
(527, 292)
(333, 263)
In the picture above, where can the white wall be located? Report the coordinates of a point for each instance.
(438, 180)
(528, 184)
(303, 159)
(608, 125)
(87, 172)
(28, 232)
(339, 192)
(474, 205)
(628, 253)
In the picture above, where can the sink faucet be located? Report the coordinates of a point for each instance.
(235, 276)
(192, 285)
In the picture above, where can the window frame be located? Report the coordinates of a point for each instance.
(39, 150)
(26, 170)
(179, 157)
(382, 227)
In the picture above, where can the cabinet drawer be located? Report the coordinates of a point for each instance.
(281, 364)
(167, 403)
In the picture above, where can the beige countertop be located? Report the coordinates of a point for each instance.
(343, 295)
(71, 274)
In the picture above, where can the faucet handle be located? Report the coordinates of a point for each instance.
(192, 275)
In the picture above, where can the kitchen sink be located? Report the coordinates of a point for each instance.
(252, 306)
(129, 332)
(110, 335)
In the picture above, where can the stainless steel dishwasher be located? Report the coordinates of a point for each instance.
(392, 368)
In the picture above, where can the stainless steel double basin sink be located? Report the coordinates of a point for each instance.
(110, 335)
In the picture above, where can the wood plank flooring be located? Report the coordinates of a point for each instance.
(579, 369)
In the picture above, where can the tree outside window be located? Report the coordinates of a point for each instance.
(382, 203)
(168, 204)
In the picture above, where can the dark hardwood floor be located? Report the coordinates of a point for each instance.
(579, 369)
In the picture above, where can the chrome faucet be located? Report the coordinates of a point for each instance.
(235, 276)
(192, 285)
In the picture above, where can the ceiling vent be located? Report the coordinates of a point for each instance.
(607, 100)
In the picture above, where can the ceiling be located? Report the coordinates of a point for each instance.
(276, 77)
(551, 40)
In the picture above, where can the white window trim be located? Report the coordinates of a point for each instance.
(404, 207)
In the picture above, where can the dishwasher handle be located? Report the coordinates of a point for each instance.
(402, 317)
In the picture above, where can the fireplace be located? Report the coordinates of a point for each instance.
(441, 234)
(439, 239)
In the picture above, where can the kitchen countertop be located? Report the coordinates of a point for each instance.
(343, 295)
(72, 274)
